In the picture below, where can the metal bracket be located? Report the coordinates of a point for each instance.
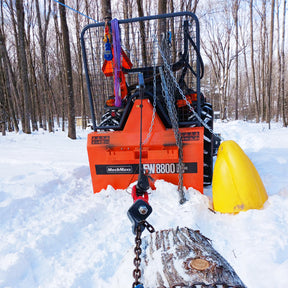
(138, 213)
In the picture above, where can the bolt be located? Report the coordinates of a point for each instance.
(143, 210)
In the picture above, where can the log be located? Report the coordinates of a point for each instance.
(183, 257)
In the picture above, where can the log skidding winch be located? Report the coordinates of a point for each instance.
(177, 119)
(143, 82)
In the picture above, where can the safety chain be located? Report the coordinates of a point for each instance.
(138, 251)
(137, 259)
(203, 285)
(167, 67)
(173, 118)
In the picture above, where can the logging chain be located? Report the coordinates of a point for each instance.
(138, 251)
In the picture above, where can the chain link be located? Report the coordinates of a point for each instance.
(137, 259)
(138, 250)
(167, 67)
(168, 89)
(174, 122)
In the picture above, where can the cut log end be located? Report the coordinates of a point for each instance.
(183, 257)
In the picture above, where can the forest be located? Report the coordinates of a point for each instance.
(42, 82)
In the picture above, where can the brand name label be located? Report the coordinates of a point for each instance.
(151, 168)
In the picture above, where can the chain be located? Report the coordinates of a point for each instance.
(173, 117)
(137, 259)
(168, 89)
(167, 67)
(138, 250)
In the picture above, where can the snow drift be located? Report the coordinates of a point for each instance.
(56, 233)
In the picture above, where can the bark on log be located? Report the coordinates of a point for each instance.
(183, 257)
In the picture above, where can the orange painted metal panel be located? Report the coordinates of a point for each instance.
(114, 155)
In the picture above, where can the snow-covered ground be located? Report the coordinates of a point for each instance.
(54, 232)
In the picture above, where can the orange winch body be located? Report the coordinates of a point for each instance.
(114, 155)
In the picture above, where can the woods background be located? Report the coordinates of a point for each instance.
(243, 44)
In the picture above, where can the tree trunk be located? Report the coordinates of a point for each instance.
(278, 101)
(142, 32)
(44, 75)
(33, 90)
(235, 16)
(6, 65)
(183, 257)
(68, 71)
(263, 75)
(106, 9)
(80, 69)
(252, 63)
(248, 112)
(195, 6)
(127, 33)
(60, 63)
(162, 6)
(22, 62)
(31, 64)
(270, 62)
(283, 67)
(3, 102)
(173, 40)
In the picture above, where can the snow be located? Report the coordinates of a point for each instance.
(54, 232)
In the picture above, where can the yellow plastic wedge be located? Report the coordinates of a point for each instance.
(236, 184)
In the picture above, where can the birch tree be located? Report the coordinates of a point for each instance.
(68, 72)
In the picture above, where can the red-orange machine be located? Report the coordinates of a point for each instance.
(170, 104)
(114, 156)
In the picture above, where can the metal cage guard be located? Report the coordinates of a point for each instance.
(91, 58)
